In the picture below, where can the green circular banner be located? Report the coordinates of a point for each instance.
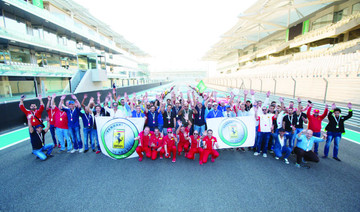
(118, 138)
(233, 132)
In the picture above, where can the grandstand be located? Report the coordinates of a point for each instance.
(49, 46)
(306, 48)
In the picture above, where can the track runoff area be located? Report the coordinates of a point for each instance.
(236, 181)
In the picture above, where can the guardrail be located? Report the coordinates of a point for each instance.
(355, 119)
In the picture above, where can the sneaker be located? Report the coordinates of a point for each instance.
(59, 146)
(271, 151)
(286, 161)
(212, 160)
(55, 145)
(77, 150)
(242, 149)
(264, 155)
(297, 165)
(303, 160)
(277, 158)
(72, 151)
(256, 153)
(336, 158)
(324, 157)
(61, 151)
(161, 157)
(94, 150)
(81, 150)
(86, 150)
(200, 162)
(140, 159)
(173, 160)
(49, 156)
(97, 152)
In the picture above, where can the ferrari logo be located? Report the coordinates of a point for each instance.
(119, 139)
(233, 131)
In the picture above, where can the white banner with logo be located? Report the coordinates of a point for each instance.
(116, 136)
(233, 132)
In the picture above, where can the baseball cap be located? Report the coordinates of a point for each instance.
(39, 125)
(169, 130)
(228, 106)
(316, 111)
(71, 102)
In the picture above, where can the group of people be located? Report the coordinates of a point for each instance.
(178, 124)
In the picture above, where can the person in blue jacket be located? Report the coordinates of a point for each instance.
(280, 147)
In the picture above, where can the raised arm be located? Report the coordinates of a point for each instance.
(40, 100)
(31, 128)
(53, 99)
(61, 103)
(98, 101)
(48, 125)
(83, 101)
(298, 111)
(350, 112)
(78, 105)
(48, 103)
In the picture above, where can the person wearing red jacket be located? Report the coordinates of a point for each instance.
(144, 143)
(315, 123)
(209, 142)
(183, 133)
(170, 141)
(36, 113)
(157, 145)
(50, 109)
(195, 147)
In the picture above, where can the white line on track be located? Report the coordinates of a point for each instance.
(14, 143)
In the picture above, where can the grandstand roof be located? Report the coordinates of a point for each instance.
(262, 19)
(84, 15)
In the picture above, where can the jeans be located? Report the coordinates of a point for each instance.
(52, 131)
(88, 132)
(161, 126)
(336, 136)
(200, 129)
(95, 137)
(297, 131)
(62, 135)
(316, 145)
(39, 152)
(256, 136)
(75, 137)
(288, 139)
(279, 152)
(263, 137)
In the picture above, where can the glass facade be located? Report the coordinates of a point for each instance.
(323, 21)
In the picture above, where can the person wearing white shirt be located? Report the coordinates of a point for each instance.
(114, 111)
(265, 127)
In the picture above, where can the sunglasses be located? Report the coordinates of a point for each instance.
(169, 132)
(196, 133)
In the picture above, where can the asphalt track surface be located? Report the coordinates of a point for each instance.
(237, 181)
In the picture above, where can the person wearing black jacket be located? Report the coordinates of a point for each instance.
(335, 128)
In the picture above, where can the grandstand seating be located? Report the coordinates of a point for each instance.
(326, 29)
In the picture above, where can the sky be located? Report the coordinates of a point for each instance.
(176, 34)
